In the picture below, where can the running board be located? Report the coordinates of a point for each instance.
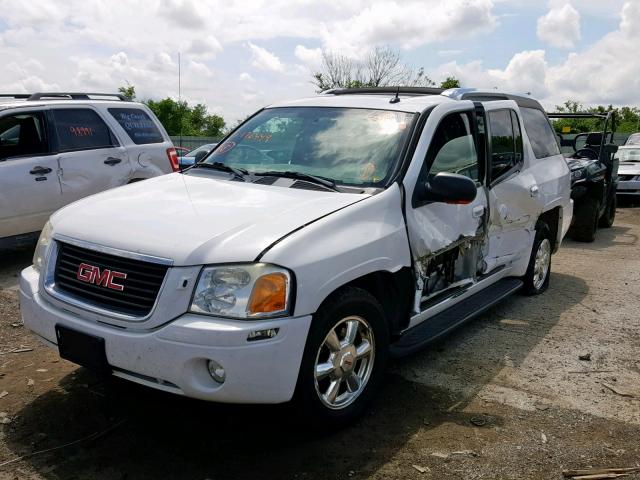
(442, 323)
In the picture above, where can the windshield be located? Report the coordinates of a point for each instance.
(201, 148)
(347, 145)
(633, 139)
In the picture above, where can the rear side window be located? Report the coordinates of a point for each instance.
(543, 140)
(138, 125)
(506, 142)
(81, 129)
(23, 135)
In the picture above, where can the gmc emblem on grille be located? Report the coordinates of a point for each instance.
(104, 278)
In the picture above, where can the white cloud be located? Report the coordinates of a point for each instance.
(246, 77)
(311, 57)
(263, 59)
(205, 47)
(560, 27)
(604, 73)
(409, 24)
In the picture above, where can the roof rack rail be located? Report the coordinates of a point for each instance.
(73, 96)
(15, 95)
(411, 91)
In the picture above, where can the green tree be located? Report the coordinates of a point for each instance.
(179, 118)
(627, 118)
(128, 91)
(450, 82)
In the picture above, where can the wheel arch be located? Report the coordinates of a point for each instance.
(393, 290)
(553, 219)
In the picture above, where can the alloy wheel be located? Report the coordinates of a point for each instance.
(344, 362)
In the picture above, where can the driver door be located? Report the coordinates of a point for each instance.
(448, 144)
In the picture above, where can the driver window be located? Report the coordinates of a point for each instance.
(22, 135)
(452, 148)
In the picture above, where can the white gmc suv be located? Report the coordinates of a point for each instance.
(320, 237)
(56, 148)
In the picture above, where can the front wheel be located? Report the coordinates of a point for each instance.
(610, 214)
(586, 221)
(536, 280)
(344, 359)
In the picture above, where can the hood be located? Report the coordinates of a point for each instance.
(195, 220)
(576, 163)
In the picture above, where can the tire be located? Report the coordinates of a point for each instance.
(610, 214)
(587, 221)
(343, 362)
(536, 280)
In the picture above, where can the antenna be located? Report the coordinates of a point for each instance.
(396, 99)
(180, 96)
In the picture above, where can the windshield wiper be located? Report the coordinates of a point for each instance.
(238, 173)
(325, 182)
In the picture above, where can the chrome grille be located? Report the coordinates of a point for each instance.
(139, 291)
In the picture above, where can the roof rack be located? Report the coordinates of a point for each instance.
(72, 96)
(579, 115)
(412, 91)
(15, 95)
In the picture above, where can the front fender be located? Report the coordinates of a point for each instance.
(365, 237)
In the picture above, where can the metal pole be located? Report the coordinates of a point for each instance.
(180, 95)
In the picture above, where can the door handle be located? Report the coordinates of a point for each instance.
(534, 191)
(112, 161)
(40, 170)
(477, 211)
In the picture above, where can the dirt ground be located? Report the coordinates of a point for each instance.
(504, 397)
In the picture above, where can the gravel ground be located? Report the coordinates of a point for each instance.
(505, 397)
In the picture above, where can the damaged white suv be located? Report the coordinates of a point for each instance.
(318, 239)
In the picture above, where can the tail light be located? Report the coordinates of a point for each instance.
(173, 159)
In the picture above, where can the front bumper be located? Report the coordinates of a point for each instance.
(628, 187)
(174, 357)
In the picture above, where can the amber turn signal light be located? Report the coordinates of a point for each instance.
(269, 294)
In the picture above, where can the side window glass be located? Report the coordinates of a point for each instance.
(542, 137)
(506, 143)
(138, 125)
(22, 135)
(81, 129)
(453, 148)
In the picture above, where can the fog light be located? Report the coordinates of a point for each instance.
(262, 334)
(216, 371)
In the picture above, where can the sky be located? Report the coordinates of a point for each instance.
(238, 56)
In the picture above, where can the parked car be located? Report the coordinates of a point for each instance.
(196, 154)
(629, 170)
(58, 148)
(318, 239)
(594, 176)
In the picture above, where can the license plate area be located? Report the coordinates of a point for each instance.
(83, 349)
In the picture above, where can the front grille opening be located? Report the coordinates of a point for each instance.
(140, 287)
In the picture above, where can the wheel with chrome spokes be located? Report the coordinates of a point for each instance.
(344, 359)
(344, 362)
(536, 280)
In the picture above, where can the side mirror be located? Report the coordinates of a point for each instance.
(447, 188)
(200, 155)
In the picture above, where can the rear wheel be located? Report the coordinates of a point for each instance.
(586, 221)
(536, 280)
(344, 359)
(610, 214)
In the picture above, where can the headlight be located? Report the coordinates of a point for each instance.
(243, 291)
(41, 248)
(578, 174)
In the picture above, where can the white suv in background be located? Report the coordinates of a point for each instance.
(320, 237)
(58, 148)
